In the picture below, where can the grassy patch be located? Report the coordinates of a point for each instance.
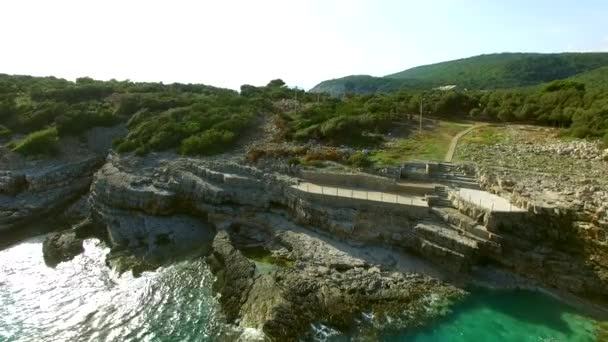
(39, 142)
(487, 135)
(428, 145)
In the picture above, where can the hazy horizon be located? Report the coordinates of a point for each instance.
(230, 43)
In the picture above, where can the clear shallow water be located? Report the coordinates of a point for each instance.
(83, 300)
(514, 315)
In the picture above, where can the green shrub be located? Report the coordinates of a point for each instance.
(209, 142)
(126, 146)
(605, 140)
(78, 121)
(117, 142)
(5, 132)
(580, 131)
(141, 151)
(358, 159)
(39, 142)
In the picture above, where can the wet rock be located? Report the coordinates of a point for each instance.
(234, 275)
(11, 183)
(61, 246)
(334, 289)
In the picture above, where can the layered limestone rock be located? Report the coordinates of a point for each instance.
(157, 186)
(561, 240)
(40, 186)
(334, 289)
(38, 191)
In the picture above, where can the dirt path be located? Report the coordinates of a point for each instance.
(450, 154)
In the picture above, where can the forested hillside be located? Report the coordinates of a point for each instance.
(596, 78)
(485, 72)
(364, 84)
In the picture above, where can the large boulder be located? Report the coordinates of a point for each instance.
(61, 246)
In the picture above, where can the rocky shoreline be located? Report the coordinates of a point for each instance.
(155, 209)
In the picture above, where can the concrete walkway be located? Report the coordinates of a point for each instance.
(450, 154)
(487, 200)
(376, 196)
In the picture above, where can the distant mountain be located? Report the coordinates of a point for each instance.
(493, 71)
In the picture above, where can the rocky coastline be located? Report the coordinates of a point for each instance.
(162, 207)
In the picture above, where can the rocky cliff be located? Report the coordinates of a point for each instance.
(152, 210)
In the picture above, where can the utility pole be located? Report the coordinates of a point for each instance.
(296, 102)
(420, 128)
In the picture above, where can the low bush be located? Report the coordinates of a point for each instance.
(5, 132)
(330, 154)
(76, 122)
(209, 142)
(358, 159)
(39, 142)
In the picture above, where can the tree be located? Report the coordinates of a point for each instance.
(278, 83)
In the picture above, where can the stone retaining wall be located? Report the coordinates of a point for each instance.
(386, 208)
(350, 180)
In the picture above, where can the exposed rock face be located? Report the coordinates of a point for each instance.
(235, 275)
(32, 193)
(152, 210)
(562, 238)
(559, 242)
(59, 247)
(249, 207)
(333, 289)
(35, 187)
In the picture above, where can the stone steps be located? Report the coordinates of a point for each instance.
(465, 184)
(446, 237)
(487, 241)
(442, 197)
(443, 256)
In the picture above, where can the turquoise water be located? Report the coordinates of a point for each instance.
(514, 315)
(82, 300)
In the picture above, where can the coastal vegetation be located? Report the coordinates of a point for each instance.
(195, 119)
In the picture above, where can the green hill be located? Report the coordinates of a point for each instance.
(364, 84)
(597, 78)
(493, 71)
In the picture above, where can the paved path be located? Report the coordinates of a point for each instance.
(487, 200)
(376, 196)
(450, 154)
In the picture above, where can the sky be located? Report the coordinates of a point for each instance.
(228, 43)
